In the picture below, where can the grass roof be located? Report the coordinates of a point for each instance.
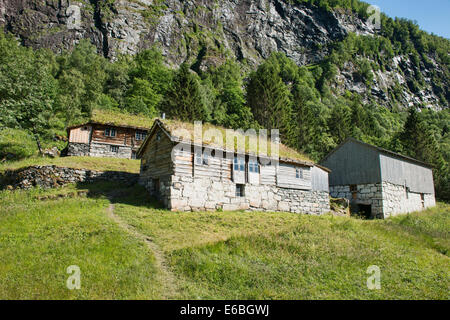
(118, 118)
(179, 129)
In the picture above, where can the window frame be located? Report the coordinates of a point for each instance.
(299, 173)
(140, 135)
(240, 190)
(114, 149)
(253, 166)
(110, 132)
(239, 164)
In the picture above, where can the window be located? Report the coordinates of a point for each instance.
(201, 159)
(133, 155)
(240, 192)
(239, 164)
(299, 173)
(114, 149)
(140, 135)
(253, 166)
(110, 132)
(158, 136)
(353, 188)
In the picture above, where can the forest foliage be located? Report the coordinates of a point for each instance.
(41, 93)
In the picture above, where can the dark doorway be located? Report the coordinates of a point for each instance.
(365, 210)
(156, 188)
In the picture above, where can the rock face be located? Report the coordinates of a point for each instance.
(249, 29)
(206, 32)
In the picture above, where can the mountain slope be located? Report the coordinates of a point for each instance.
(206, 33)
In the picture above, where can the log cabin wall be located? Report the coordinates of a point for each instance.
(92, 140)
(157, 166)
(184, 179)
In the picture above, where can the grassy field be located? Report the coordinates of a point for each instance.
(233, 255)
(89, 163)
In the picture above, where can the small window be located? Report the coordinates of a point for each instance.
(239, 164)
(205, 159)
(110, 132)
(353, 188)
(140, 135)
(158, 136)
(240, 190)
(114, 149)
(253, 166)
(133, 155)
(299, 173)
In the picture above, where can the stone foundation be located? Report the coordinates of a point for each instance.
(104, 151)
(78, 149)
(203, 194)
(100, 150)
(385, 198)
(53, 176)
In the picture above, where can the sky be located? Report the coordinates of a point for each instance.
(431, 15)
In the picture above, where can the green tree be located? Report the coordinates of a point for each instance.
(27, 88)
(184, 99)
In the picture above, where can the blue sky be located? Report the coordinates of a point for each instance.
(432, 15)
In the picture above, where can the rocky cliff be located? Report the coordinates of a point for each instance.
(207, 32)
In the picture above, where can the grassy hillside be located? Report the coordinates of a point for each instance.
(89, 163)
(211, 255)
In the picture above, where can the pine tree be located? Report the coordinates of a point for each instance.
(184, 99)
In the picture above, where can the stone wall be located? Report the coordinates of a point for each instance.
(78, 149)
(200, 194)
(397, 200)
(385, 198)
(53, 176)
(104, 150)
(367, 194)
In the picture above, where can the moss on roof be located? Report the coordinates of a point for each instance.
(117, 118)
(177, 128)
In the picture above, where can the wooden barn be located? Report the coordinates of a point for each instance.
(105, 140)
(378, 182)
(190, 176)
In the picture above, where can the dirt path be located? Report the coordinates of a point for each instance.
(164, 275)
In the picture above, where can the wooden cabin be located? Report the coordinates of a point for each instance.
(105, 140)
(188, 176)
(378, 182)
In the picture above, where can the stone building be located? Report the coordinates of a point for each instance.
(96, 139)
(378, 182)
(187, 176)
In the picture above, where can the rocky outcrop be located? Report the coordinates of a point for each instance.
(206, 32)
(53, 177)
(249, 29)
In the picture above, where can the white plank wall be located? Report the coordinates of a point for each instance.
(286, 177)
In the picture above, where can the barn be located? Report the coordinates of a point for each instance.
(378, 182)
(191, 175)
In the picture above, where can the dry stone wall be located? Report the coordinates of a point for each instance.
(53, 176)
(386, 199)
(204, 194)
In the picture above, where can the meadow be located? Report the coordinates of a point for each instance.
(128, 247)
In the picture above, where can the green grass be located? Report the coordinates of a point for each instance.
(213, 255)
(40, 239)
(287, 256)
(90, 163)
(118, 118)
